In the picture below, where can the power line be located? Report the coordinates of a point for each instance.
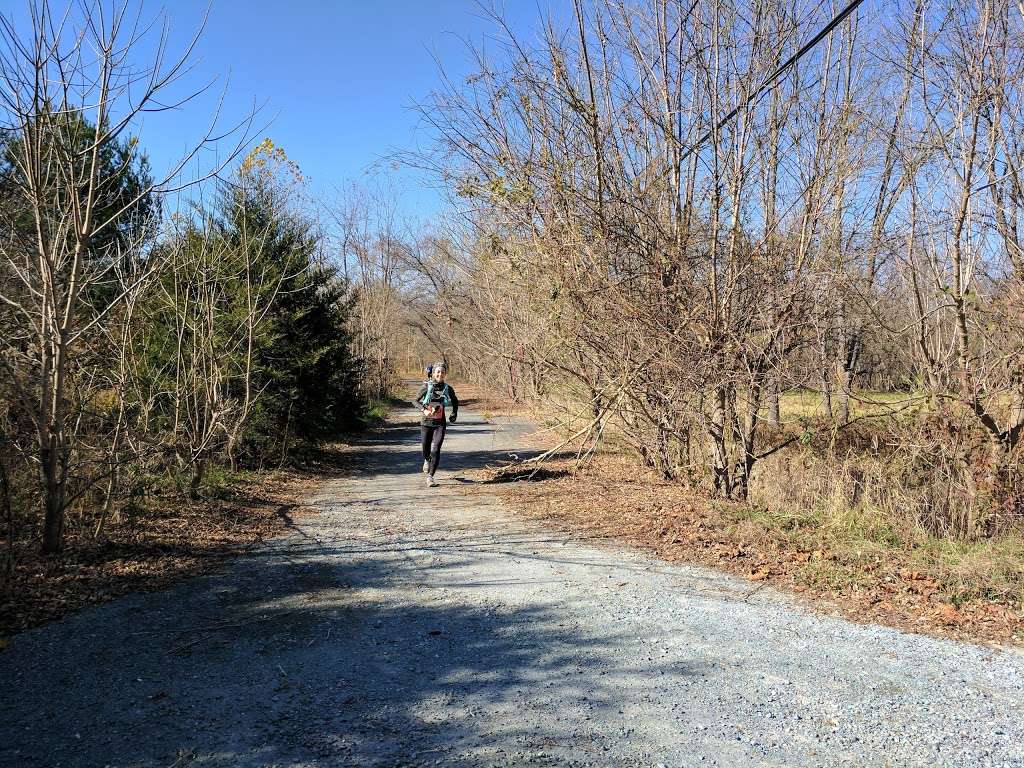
(835, 22)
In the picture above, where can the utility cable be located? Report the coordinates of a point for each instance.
(836, 21)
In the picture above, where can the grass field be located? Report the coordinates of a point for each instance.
(799, 404)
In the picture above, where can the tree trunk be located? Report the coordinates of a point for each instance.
(849, 353)
(826, 382)
(747, 435)
(774, 413)
(53, 498)
(513, 395)
(666, 469)
(197, 477)
(745, 469)
(718, 444)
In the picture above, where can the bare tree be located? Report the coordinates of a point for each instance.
(70, 91)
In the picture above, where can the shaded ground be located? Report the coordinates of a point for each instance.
(170, 539)
(406, 626)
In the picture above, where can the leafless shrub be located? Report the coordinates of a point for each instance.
(677, 213)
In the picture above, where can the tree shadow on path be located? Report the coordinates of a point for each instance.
(383, 641)
(310, 656)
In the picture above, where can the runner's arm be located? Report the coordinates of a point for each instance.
(455, 405)
(418, 402)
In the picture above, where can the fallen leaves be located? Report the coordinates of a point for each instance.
(948, 614)
(150, 551)
(759, 574)
(919, 582)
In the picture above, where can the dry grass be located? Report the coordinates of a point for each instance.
(798, 404)
(489, 405)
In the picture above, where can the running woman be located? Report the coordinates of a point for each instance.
(432, 398)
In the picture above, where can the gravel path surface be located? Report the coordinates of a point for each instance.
(407, 626)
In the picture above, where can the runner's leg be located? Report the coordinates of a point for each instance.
(435, 447)
(426, 437)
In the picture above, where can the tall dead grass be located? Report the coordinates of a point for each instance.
(923, 478)
(939, 496)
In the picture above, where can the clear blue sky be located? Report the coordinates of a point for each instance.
(337, 78)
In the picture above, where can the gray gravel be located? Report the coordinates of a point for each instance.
(406, 626)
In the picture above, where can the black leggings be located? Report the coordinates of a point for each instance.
(433, 437)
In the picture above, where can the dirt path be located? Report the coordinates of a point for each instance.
(406, 626)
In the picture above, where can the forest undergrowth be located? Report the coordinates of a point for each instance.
(164, 538)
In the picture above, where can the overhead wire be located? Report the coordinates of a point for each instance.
(838, 19)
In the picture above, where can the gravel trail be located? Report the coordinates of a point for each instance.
(407, 626)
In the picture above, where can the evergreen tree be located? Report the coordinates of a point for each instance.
(305, 367)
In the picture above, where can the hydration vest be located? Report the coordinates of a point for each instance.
(445, 397)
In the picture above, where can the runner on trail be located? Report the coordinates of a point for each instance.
(432, 398)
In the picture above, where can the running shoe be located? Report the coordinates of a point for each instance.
(431, 483)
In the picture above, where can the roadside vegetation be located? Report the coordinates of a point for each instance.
(851, 561)
(771, 252)
(172, 348)
(846, 534)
